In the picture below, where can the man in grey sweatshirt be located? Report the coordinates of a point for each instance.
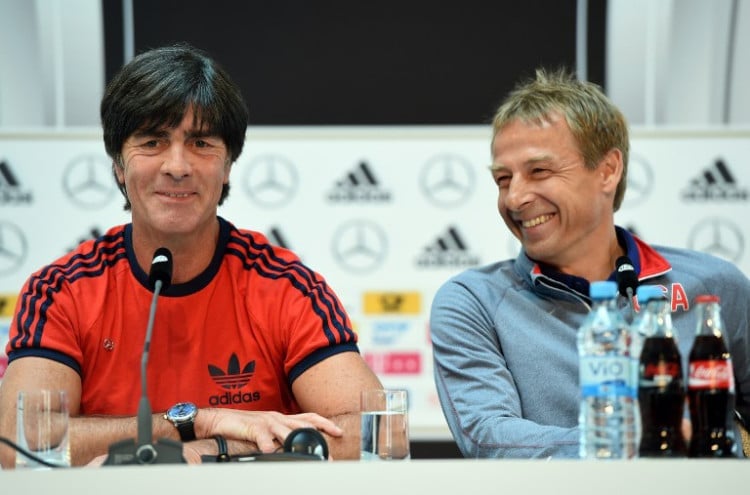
(504, 335)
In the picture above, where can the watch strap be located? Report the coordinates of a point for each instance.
(186, 431)
(221, 447)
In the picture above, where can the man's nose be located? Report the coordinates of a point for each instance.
(176, 162)
(517, 194)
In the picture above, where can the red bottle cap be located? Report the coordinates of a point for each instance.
(706, 298)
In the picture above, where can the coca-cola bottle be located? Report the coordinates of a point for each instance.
(661, 389)
(710, 385)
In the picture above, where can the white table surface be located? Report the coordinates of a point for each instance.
(455, 477)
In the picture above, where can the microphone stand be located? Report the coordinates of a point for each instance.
(144, 451)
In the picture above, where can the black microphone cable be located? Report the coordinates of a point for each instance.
(28, 454)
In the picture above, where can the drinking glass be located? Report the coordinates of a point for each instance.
(384, 425)
(42, 428)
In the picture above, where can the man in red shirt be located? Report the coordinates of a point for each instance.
(252, 339)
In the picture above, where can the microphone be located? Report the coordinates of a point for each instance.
(160, 275)
(143, 451)
(627, 279)
(627, 284)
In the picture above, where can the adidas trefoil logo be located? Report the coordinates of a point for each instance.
(232, 378)
(715, 183)
(359, 184)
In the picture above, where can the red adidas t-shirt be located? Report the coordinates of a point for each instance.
(235, 336)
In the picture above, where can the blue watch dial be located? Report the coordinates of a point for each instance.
(182, 411)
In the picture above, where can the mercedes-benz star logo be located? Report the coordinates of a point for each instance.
(12, 247)
(271, 180)
(359, 246)
(447, 180)
(640, 181)
(88, 180)
(719, 237)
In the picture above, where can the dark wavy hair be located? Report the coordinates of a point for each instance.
(155, 89)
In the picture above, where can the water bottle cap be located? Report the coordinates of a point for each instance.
(646, 293)
(603, 289)
(707, 298)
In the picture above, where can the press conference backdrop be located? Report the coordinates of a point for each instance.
(385, 214)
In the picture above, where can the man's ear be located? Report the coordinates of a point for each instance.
(610, 169)
(227, 169)
(119, 172)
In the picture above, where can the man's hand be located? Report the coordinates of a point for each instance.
(256, 431)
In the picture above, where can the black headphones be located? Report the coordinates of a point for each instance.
(306, 441)
(302, 444)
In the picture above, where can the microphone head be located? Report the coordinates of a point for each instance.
(626, 276)
(161, 268)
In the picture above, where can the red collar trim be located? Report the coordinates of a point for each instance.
(652, 263)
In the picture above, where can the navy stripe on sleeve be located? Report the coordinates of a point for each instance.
(262, 259)
(40, 291)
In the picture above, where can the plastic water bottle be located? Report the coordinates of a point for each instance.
(608, 416)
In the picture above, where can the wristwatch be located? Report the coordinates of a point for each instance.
(182, 415)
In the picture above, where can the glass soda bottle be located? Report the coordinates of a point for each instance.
(661, 389)
(607, 414)
(710, 385)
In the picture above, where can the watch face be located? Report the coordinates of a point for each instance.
(182, 411)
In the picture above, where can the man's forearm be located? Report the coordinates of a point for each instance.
(346, 446)
(91, 436)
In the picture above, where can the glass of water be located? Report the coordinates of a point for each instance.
(385, 425)
(42, 428)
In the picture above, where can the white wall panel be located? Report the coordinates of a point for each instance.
(407, 208)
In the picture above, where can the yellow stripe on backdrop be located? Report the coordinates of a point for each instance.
(402, 303)
(7, 304)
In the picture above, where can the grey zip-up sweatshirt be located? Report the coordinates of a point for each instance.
(504, 344)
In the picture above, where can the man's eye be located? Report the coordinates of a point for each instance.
(152, 143)
(199, 143)
(502, 180)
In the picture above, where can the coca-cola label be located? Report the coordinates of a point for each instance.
(711, 374)
(661, 373)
